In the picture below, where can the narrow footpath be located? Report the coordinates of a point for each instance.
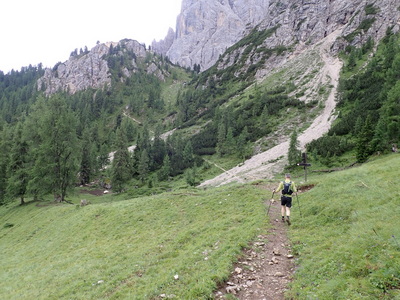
(267, 265)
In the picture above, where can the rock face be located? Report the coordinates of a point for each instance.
(307, 22)
(206, 28)
(91, 69)
(163, 46)
(78, 73)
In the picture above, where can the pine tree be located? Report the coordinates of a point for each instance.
(191, 176)
(88, 161)
(121, 166)
(363, 148)
(55, 148)
(17, 168)
(143, 167)
(221, 139)
(5, 146)
(230, 144)
(294, 154)
(188, 156)
(242, 144)
(165, 170)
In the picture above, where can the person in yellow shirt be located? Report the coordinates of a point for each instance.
(287, 187)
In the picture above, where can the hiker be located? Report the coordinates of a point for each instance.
(287, 187)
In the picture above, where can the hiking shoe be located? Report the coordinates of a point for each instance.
(283, 219)
(288, 221)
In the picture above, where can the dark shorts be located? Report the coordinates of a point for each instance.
(286, 201)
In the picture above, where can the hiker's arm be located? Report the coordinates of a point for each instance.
(280, 187)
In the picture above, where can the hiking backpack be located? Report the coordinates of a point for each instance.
(287, 190)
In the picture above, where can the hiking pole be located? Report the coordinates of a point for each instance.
(299, 204)
(270, 202)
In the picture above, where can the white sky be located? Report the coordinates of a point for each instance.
(47, 31)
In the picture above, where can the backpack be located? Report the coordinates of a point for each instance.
(287, 188)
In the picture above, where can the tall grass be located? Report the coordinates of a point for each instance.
(129, 249)
(348, 240)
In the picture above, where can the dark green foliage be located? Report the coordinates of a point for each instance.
(5, 144)
(370, 9)
(18, 91)
(362, 28)
(363, 147)
(121, 171)
(165, 170)
(18, 166)
(330, 145)
(294, 154)
(369, 107)
(54, 147)
(88, 166)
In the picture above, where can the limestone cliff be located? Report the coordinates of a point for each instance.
(206, 28)
(93, 69)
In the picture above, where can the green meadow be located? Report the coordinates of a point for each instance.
(182, 244)
(178, 244)
(348, 240)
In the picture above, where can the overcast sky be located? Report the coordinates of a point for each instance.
(47, 31)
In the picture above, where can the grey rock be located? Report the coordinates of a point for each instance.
(91, 70)
(206, 28)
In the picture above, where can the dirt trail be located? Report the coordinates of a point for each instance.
(267, 265)
(270, 162)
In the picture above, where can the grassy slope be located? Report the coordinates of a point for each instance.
(127, 249)
(347, 241)
(349, 237)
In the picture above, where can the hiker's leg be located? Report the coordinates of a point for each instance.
(287, 211)
(283, 204)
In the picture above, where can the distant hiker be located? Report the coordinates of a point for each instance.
(287, 187)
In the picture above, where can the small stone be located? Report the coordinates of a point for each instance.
(176, 277)
(275, 260)
(276, 252)
(231, 289)
(290, 256)
(238, 270)
(279, 274)
(249, 283)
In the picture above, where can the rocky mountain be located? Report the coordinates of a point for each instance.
(205, 28)
(93, 69)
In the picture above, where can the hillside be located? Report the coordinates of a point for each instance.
(271, 162)
(180, 245)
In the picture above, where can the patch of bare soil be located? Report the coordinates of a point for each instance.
(267, 265)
